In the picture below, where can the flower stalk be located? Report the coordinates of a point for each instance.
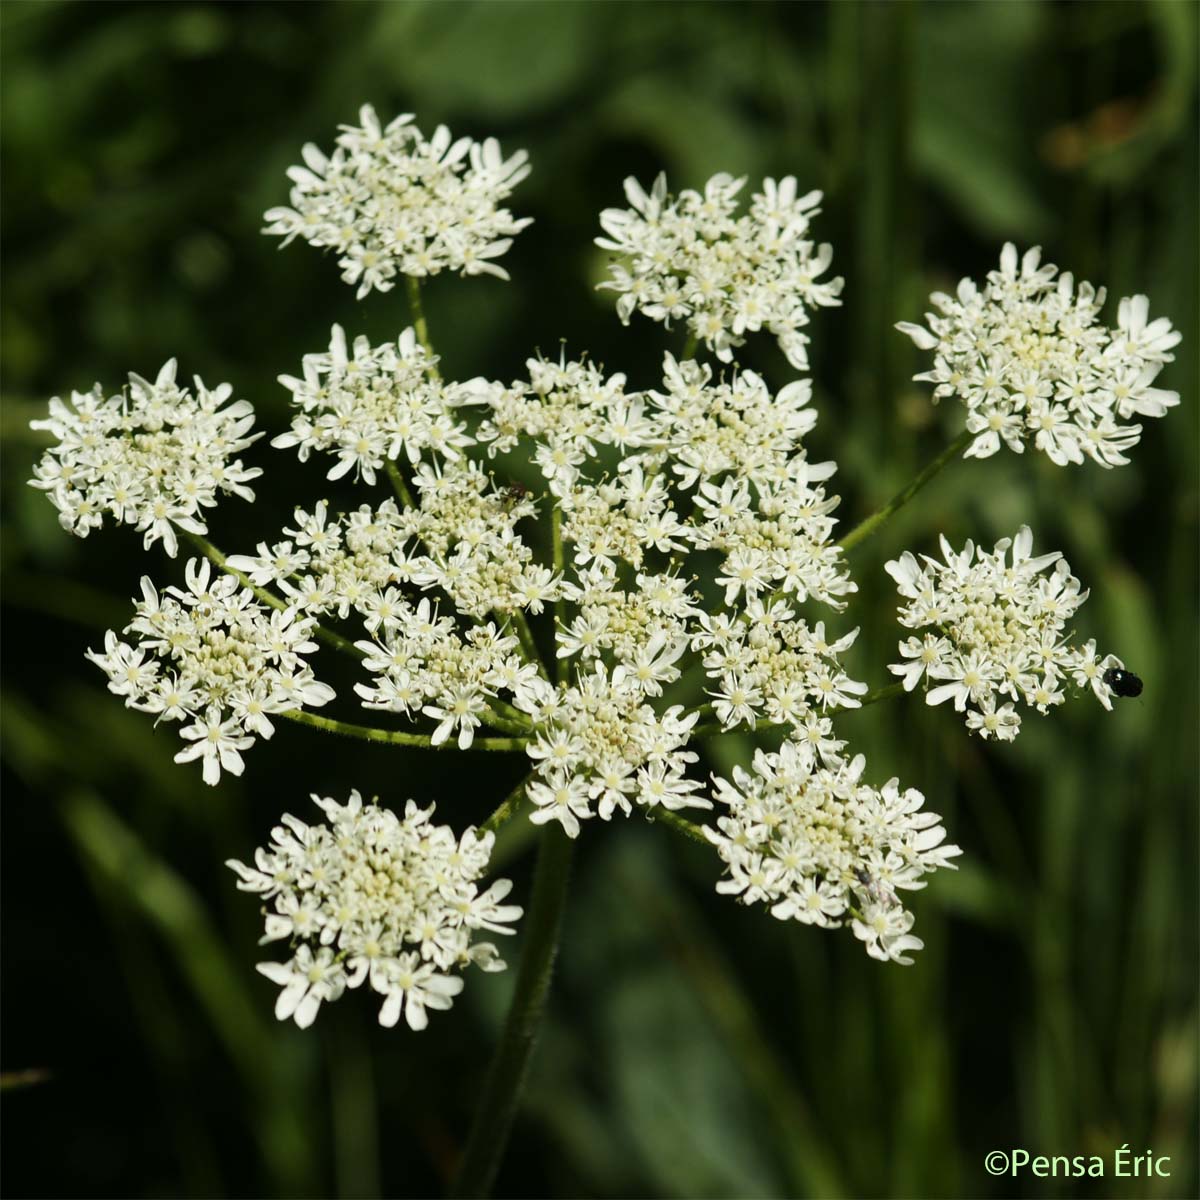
(417, 308)
(865, 528)
(528, 645)
(678, 824)
(560, 609)
(398, 485)
(506, 1074)
(507, 808)
(397, 737)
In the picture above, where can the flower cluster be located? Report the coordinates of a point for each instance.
(153, 457)
(673, 540)
(704, 468)
(370, 897)
(1028, 358)
(375, 404)
(389, 202)
(997, 637)
(805, 835)
(212, 655)
(567, 410)
(692, 259)
(633, 482)
(461, 541)
(602, 742)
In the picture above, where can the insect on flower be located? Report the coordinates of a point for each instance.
(514, 494)
(1123, 683)
(875, 890)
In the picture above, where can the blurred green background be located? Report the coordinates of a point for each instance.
(692, 1047)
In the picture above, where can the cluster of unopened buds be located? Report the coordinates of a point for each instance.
(593, 574)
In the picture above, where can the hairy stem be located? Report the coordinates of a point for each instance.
(673, 821)
(864, 529)
(396, 737)
(504, 717)
(884, 693)
(507, 807)
(502, 1088)
(345, 645)
(417, 308)
(560, 609)
(528, 646)
(399, 486)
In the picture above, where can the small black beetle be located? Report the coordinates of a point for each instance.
(1123, 683)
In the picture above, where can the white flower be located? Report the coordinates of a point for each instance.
(152, 457)
(390, 202)
(413, 986)
(692, 259)
(371, 897)
(1029, 359)
(306, 981)
(213, 655)
(884, 931)
(374, 404)
(806, 836)
(216, 743)
(563, 799)
(999, 630)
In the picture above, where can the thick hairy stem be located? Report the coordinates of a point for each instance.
(864, 529)
(395, 737)
(502, 1088)
(345, 645)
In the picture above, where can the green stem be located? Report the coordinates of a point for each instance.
(712, 728)
(505, 718)
(345, 645)
(689, 348)
(673, 821)
(396, 737)
(514, 716)
(864, 529)
(413, 284)
(354, 1109)
(884, 693)
(502, 1088)
(560, 609)
(399, 486)
(507, 807)
(528, 645)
